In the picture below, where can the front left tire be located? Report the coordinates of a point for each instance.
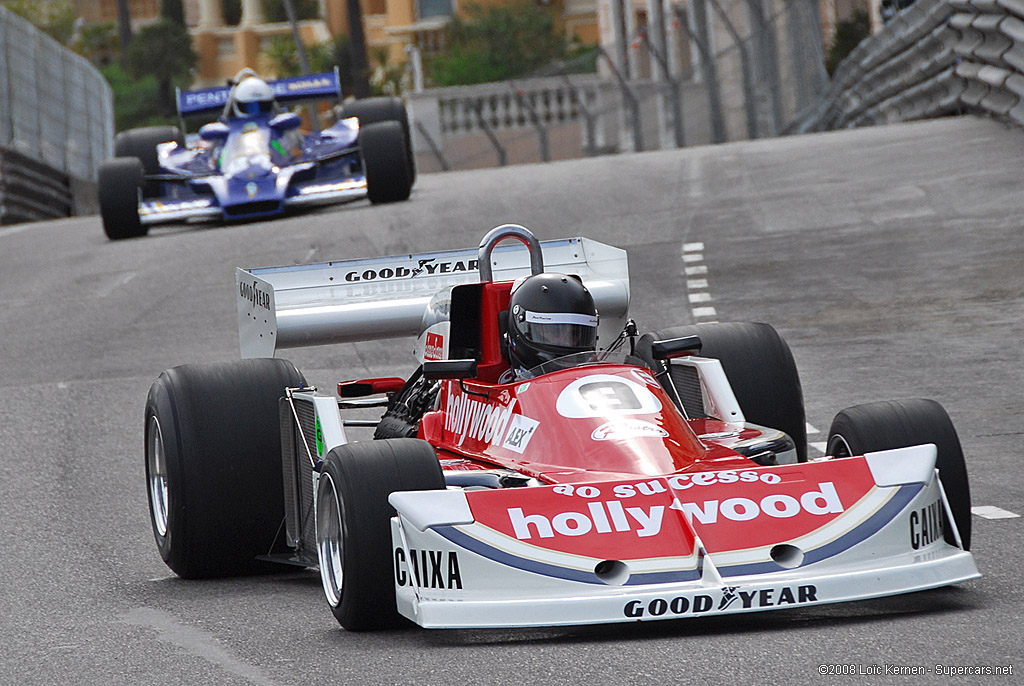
(892, 424)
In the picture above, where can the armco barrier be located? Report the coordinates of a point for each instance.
(56, 125)
(31, 190)
(935, 58)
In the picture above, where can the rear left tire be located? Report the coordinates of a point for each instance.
(761, 370)
(382, 146)
(373, 110)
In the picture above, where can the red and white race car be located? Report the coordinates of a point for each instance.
(656, 476)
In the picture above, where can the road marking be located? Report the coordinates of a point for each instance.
(811, 429)
(993, 512)
(697, 289)
(820, 446)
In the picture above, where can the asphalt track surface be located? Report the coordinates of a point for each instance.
(892, 260)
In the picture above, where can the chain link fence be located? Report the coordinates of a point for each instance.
(56, 125)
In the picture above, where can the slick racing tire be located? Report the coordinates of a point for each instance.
(901, 423)
(761, 370)
(141, 143)
(373, 110)
(213, 465)
(119, 182)
(353, 525)
(382, 146)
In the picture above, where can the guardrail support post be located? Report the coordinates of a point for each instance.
(708, 65)
(675, 97)
(631, 101)
(542, 133)
(749, 97)
(433, 146)
(482, 123)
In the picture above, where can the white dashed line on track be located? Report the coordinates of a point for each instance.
(993, 512)
(698, 292)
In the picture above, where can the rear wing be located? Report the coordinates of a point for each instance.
(386, 297)
(207, 101)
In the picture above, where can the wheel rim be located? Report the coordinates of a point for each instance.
(156, 465)
(329, 540)
(838, 447)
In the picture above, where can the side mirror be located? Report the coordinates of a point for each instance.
(675, 347)
(449, 369)
(286, 121)
(214, 132)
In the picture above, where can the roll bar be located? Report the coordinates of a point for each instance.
(500, 233)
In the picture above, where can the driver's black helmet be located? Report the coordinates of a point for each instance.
(550, 315)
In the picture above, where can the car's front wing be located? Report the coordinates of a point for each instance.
(677, 546)
(207, 208)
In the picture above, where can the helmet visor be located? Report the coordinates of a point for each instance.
(561, 329)
(251, 109)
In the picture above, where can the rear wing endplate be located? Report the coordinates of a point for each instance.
(368, 299)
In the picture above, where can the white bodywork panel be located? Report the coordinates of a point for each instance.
(454, 574)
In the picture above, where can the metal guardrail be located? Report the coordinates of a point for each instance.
(936, 58)
(57, 115)
(31, 190)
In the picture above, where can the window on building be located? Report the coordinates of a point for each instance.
(433, 8)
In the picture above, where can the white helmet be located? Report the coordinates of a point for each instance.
(253, 96)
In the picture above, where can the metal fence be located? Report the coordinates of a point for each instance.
(704, 72)
(57, 110)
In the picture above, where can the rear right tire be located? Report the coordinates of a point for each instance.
(142, 142)
(213, 465)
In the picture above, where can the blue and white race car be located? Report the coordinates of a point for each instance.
(253, 161)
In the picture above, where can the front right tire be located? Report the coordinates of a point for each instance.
(353, 525)
(120, 180)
